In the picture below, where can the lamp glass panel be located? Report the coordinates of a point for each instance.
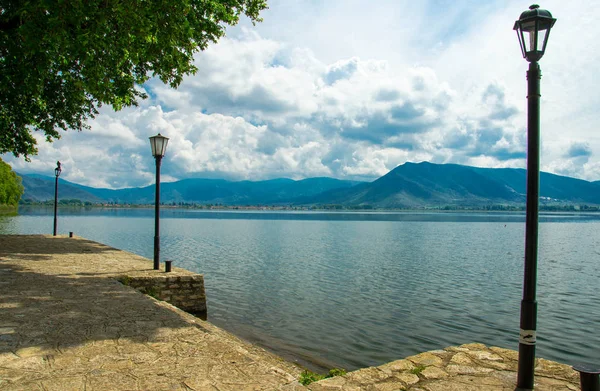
(520, 38)
(163, 146)
(159, 146)
(529, 33)
(542, 37)
(153, 145)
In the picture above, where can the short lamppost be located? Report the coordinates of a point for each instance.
(57, 172)
(533, 29)
(159, 147)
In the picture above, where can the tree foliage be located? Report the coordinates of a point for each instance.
(62, 59)
(11, 188)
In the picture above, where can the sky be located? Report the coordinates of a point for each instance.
(351, 89)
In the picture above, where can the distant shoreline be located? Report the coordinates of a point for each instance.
(320, 208)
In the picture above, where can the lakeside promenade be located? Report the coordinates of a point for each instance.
(66, 323)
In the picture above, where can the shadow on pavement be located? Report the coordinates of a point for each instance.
(54, 312)
(41, 245)
(65, 305)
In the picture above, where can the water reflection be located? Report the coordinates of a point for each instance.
(358, 289)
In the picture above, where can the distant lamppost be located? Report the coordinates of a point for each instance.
(533, 29)
(57, 172)
(159, 147)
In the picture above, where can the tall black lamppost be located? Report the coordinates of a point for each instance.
(159, 147)
(57, 172)
(533, 29)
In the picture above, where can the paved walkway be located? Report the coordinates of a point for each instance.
(67, 324)
(471, 367)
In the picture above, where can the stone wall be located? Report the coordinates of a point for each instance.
(184, 292)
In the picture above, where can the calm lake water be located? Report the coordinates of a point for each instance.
(357, 289)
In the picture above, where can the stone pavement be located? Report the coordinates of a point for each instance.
(67, 324)
(471, 367)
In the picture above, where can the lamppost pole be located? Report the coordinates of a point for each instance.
(533, 30)
(57, 172)
(157, 215)
(527, 338)
(159, 147)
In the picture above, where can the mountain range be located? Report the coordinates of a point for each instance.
(194, 190)
(411, 185)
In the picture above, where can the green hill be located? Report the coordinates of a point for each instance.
(415, 185)
(411, 185)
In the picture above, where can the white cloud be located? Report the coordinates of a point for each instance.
(350, 89)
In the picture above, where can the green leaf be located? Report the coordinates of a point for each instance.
(61, 60)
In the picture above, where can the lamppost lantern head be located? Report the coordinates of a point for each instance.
(57, 170)
(159, 145)
(533, 29)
